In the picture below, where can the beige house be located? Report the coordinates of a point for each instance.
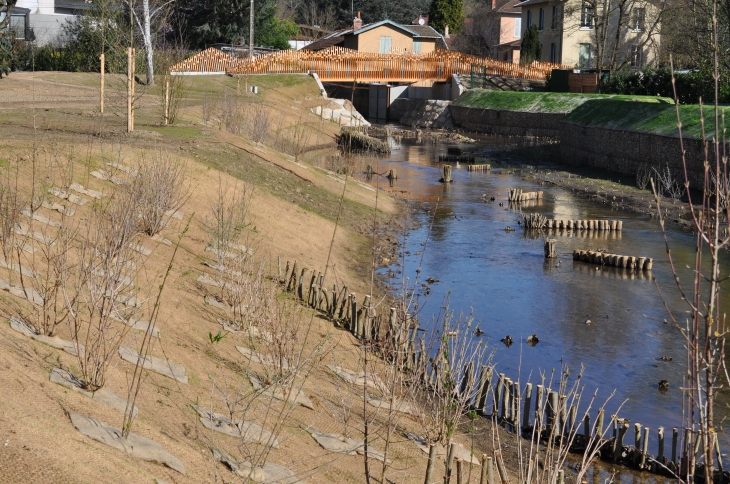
(383, 37)
(583, 33)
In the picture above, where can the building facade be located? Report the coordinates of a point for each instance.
(614, 34)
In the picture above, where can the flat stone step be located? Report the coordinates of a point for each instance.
(102, 395)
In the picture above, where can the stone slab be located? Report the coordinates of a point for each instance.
(345, 445)
(102, 395)
(278, 392)
(64, 195)
(86, 191)
(398, 405)
(134, 445)
(358, 378)
(30, 331)
(69, 212)
(269, 473)
(159, 365)
(23, 292)
(39, 218)
(248, 432)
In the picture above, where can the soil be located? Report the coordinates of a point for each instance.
(53, 134)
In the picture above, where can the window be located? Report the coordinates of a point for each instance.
(416, 46)
(529, 18)
(518, 28)
(18, 25)
(586, 17)
(385, 43)
(553, 54)
(541, 19)
(637, 19)
(635, 56)
(554, 20)
(584, 56)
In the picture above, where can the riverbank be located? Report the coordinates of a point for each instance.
(620, 133)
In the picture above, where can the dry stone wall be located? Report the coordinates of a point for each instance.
(509, 123)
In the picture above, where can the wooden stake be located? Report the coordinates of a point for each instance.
(101, 84)
(129, 90)
(431, 462)
(450, 462)
(167, 100)
(459, 472)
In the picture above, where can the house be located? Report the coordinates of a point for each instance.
(506, 39)
(382, 37)
(583, 33)
(43, 21)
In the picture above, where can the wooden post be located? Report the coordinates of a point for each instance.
(353, 314)
(459, 472)
(644, 447)
(498, 395)
(447, 174)
(561, 476)
(101, 84)
(506, 393)
(490, 471)
(130, 80)
(549, 247)
(540, 391)
(431, 463)
(572, 417)
(528, 404)
(618, 445)
(552, 408)
(485, 375)
(660, 437)
(517, 399)
(467, 379)
(587, 427)
(167, 100)
(134, 73)
(675, 438)
(637, 442)
(500, 468)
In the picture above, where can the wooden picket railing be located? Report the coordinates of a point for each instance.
(209, 61)
(340, 64)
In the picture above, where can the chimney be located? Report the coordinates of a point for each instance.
(357, 23)
(494, 4)
(446, 31)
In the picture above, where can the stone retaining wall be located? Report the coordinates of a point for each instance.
(624, 151)
(510, 123)
(421, 113)
(621, 151)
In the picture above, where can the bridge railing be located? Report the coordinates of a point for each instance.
(340, 64)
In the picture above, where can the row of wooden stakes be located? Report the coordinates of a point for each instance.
(584, 224)
(614, 260)
(480, 168)
(517, 195)
(511, 405)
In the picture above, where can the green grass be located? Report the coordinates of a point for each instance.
(646, 114)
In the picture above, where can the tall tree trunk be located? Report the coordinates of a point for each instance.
(147, 38)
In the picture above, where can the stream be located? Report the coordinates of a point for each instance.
(504, 279)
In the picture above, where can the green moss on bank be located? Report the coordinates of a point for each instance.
(648, 114)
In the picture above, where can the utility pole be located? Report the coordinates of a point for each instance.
(250, 35)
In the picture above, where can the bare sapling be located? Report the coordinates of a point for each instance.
(643, 174)
(135, 384)
(704, 326)
(667, 183)
(160, 188)
(9, 212)
(101, 288)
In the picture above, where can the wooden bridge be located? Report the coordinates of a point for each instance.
(337, 64)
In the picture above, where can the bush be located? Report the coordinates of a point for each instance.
(658, 82)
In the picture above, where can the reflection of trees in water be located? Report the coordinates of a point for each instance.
(442, 218)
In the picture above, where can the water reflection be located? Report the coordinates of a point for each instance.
(512, 289)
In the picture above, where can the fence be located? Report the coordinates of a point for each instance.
(341, 64)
